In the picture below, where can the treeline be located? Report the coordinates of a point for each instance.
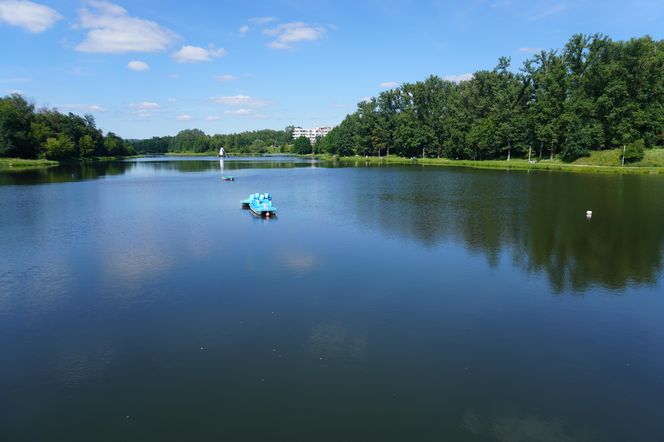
(594, 94)
(196, 141)
(47, 133)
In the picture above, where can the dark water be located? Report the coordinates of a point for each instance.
(138, 301)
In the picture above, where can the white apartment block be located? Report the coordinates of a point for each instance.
(313, 134)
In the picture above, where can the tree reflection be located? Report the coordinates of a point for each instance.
(538, 218)
(69, 172)
(65, 173)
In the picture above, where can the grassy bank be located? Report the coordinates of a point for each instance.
(612, 158)
(19, 164)
(597, 162)
(24, 164)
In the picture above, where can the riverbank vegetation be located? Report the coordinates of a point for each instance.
(195, 141)
(29, 133)
(653, 163)
(593, 95)
(25, 164)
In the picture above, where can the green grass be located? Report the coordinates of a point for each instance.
(598, 162)
(652, 158)
(18, 164)
(25, 164)
(105, 159)
(604, 158)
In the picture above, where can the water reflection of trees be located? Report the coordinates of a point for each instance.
(537, 218)
(94, 170)
(65, 173)
(186, 166)
(621, 244)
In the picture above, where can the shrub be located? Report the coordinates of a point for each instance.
(302, 145)
(60, 148)
(634, 151)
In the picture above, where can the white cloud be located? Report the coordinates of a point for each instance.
(226, 77)
(174, 76)
(243, 29)
(145, 109)
(30, 16)
(262, 20)
(88, 108)
(389, 84)
(240, 112)
(289, 33)
(142, 114)
(195, 54)
(172, 100)
(530, 50)
(138, 65)
(145, 105)
(212, 118)
(459, 78)
(240, 100)
(183, 117)
(111, 30)
(91, 108)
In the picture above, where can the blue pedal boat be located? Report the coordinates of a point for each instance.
(260, 204)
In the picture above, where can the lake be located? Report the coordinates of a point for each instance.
(139, 301)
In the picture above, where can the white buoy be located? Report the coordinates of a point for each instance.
(589, 213)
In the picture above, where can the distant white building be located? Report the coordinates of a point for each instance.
(313, 134)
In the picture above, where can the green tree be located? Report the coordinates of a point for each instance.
(593, 94)
(114, 145)
(410, 137)
(190, 140)
(60, 148)
(302, 145)
(634, 152)
(86, 146)
(16, 118)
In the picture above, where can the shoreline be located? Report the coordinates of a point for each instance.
(514, 164)
(21, 164)
(24, 164)
(216, 154)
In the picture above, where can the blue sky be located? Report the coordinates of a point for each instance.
(147, 68)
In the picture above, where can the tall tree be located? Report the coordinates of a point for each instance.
(302, 145)
(16, 117)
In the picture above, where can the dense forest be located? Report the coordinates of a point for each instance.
(26, 132)
(593, 94)
(47, 133)
(197, 141)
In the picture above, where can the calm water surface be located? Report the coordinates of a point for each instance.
(138, 301)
